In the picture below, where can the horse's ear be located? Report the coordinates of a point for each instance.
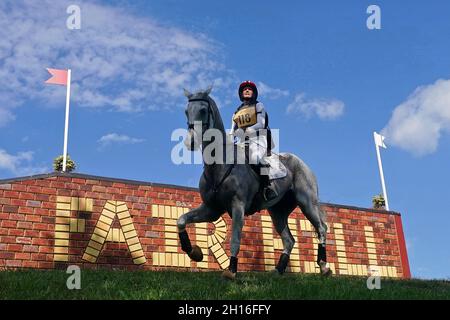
(209, 89)
(187, 93)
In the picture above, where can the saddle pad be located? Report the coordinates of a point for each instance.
(277, 169)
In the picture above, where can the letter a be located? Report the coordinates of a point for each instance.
(374, 20)
(74, 281)
(74, 20)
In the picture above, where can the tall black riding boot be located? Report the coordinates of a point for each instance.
(268, 192)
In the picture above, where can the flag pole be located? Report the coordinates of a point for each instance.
(380, 166)
(66, 127)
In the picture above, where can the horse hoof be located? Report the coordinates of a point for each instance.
(277, 272)
(227, 274)
(326, 272)
(196, 254)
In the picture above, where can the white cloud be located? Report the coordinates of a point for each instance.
(417, 124)
(325, 109)
(118, 60)
(111, 138)
(5, 116)
(19, 164)
(271, 93)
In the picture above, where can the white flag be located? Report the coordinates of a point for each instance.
(379, 140)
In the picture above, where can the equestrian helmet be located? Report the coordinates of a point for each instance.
(251, 85)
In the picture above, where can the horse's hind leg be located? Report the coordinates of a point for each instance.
(197, 215)
(310, 207)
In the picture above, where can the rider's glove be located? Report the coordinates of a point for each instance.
(238, 135)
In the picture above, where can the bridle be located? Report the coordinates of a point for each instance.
(216, 185)
(191, 125)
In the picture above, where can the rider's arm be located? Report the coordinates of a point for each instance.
(235, 132)
(233, 127)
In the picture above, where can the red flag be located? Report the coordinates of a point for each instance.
(58, 77)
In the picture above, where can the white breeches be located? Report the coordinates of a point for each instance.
(257, 149)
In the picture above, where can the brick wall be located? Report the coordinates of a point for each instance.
(54, 220)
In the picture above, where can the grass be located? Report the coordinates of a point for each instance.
(106, 285)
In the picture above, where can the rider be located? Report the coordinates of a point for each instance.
(251, 120)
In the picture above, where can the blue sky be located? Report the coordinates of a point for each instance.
(326, 80)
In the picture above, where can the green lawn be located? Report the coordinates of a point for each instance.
(33, 284)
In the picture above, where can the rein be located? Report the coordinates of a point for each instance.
(216, 186)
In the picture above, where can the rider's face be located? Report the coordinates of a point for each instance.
(247, 93)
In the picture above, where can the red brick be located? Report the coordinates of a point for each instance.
(40, 226)
(23, 240)
(10, 209)
(43, 249)
(18, 202)
(64, 179)
(65, 192)
(22, 256)
(45, 265)
(15, 247)
(7, 239)
(49, 191)
(57, 184)
(27, 196)
(25, 210)
(35, 204)
(34, 189)
(48, 205)
(30, 264)
(139, 193)
(106, 183)
(42, 211)
(31, 233)
(43, 183)
(9, 224)
(78, 180)
(42, 197)
(86, 187)
(99, 189)
(17, 216)
(19, 187)
(42, 242)
(47, 234)
(5, 186)
(47, 219)
(6, 255)
(16, 232)
(24, 225)
(33, 218)
(38, 256)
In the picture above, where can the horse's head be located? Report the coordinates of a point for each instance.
(199, 116)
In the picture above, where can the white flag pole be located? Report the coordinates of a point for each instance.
(66, 127)
(380, 166)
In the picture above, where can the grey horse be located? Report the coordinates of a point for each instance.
(234, 188)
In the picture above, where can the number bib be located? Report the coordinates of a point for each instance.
(245, 117)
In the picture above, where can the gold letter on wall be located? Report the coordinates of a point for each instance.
(102, 233)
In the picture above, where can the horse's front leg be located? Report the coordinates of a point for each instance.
(197, 215)
(237, 224)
